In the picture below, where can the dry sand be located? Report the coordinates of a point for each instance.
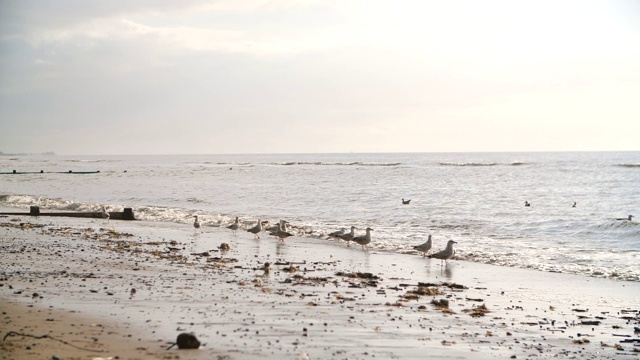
(127, 289)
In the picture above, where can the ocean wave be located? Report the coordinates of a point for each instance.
(628, 165)
(468, 164)
(321, 163)
(91, 161)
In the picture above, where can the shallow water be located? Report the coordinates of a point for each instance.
(477, 199)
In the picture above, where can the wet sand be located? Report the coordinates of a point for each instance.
(127, 289)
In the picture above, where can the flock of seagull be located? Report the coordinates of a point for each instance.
(280, 231)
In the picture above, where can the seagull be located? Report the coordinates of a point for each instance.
(574, 204)
(234, 226)
(105, 214)
(627, 218)
(526, 203)
(445, 254)
(196, 224)
(337, 233)
(256, 229)
(348, 236)
(424, 247)
(281, 233)
(405, 202)
(363, 240)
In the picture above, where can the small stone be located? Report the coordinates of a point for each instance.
(187, 341)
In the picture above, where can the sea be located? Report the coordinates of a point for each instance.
(476, 199)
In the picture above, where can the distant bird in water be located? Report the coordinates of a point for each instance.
(574, 204)
(105, 214)
(363, 240)
(348, 236)
(234, 226)
(196, 223)
(424, 247)
(405, 202)
(256, 229)
(627, 218)
(445, 254)
(526, 203)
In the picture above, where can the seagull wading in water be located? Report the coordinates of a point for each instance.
(348, 236)
(365, 239)
(424, 247)
(256, 229)
(234, 226)
(281, 232)
(445, 254)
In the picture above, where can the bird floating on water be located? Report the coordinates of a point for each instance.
(445, 254)
(629, 218)
(574, 204)
(256, 229)
(526, 203)
(365, 239)
(424, 247)
(233, 227)
(405, 202)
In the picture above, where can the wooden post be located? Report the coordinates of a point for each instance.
(127, 214)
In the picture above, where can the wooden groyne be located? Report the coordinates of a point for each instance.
(49, 172)
(127, 214)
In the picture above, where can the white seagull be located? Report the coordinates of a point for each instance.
(445, 254)
(256, 229)
(424, 247)
(365, 239)
(105, 214)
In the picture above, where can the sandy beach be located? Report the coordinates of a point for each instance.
(127, 289)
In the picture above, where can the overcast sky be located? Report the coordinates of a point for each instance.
(88, 77)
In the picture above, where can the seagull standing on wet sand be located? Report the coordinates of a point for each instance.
(281, 232)
(256, 229)
(105, 214)
(234, 226)
(365, 239)
(424, 247)
(445, 254)
(196, 223)
(348, 236)
(337, 233)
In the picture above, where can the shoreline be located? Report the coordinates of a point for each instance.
(309, 305)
